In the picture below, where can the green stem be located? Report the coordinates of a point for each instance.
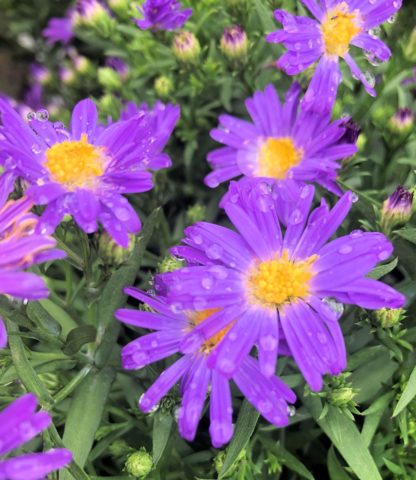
(73, 384)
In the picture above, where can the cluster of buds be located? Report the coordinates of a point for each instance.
(186, 48)
(397, 209)
(234, 43)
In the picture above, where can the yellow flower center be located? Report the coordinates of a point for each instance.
(277, 156)
(75, 163)
(339, 28)
(198, 317)
(280, 280)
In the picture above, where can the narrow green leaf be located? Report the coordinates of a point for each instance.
(265, 15)
(79, 337)
(37, 313)
(408, 394)
(162, 427)
(113, 296)
(246, 423)
(373, 416)
(408, 234)
(335, 470)
(382, 270)
(292, 463)
(393, 467)
(346, 438)
(85, 413)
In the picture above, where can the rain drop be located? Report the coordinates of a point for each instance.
(345, 249)
(42, 115)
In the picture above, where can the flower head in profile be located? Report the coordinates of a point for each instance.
(283, 141)
(162, 15)
(20, 423)
(269, 395)
(20, 248)
(60, 29)
(86, 170)
(397, 209)
(271, 283)
(338, 25)
(234, 43)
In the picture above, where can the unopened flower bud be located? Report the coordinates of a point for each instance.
(163, 86)
(119, 66)
(397, 209)
(170, 264)
(93, 14)
(109, 78)
(342, 396)
(120, 7)
(196, 213)
(401, 122)
(67, 75)
(389, 317)
(234, 43)
(139, 464)
(111, 253)
(119, 448)
(186, 47)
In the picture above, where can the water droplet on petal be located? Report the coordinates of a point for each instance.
(214, 251)
(291, 410)
(36, 148)
(31, 116)
(345, 249)
(122, 214)
(384, 255)
(42, 115)
(207, 283)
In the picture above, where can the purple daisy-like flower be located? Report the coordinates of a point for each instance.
(162, 15)
(282, 142)
(86, 170)
(60, 29)
(269, 283)
(19, 423)
(338, 25)
(21, 247)
(270, 396)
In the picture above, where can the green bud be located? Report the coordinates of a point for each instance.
(120, 7)
(219, 463)
(51, 381)
(382, 114)
(361, 142)
(186, 47)
(110, 105)
(163, 86)
(389, 317)
(109, 78)
(196, 213)
(119, 448)
(139, 464)
(170, 264)
(341, 397)
(111, 252)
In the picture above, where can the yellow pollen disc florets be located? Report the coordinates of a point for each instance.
(75, 163)
(339, 27)
(198, 317)
(280, 280)
(277, 156)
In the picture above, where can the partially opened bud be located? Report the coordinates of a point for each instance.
(186, 47)
(397, 209)
(234, 43)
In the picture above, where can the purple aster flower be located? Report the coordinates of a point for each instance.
(268, 395)
(84, 171)
(162, 15)
(21, 247)
(282, 142)
(271, 283)
(19, 423)
(60, 29)
(338, 25)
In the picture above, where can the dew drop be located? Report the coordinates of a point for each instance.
(31, 116)
(291, 410)
(122, 214)
(384, 255)
(214, 251)
(207, 283)
(42, 115)
(345, 249)
(36, 148)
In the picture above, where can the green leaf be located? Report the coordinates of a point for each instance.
(246, 423)
(37, 313)
(292, 463)
(393, 467)
(335, 470)
(407, 233)
(346, 438)
(85, 413)
(265, 15)
(382, 270)
(162, 427)
(78, 337)
(113, 296)
(373, 416)
(408, 394)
